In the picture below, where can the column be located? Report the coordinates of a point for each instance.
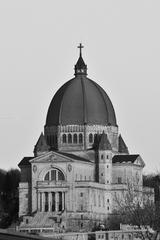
(46, 202)
(39, 207)
(57, 201)
(53, 202)
(38, 201)
(42, 202)
(49, 202)
(63, 201)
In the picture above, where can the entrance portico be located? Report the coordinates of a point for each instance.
(52, 201)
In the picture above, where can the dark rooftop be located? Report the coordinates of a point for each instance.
(80, 101)
(124, 158)
(25, 161)
(104, 143)
(75, 157)
(122, 147)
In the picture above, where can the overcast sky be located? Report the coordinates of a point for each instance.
(38, 50)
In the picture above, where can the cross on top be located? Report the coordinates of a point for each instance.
(80, 47)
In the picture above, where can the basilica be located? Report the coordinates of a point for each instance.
(80, 160)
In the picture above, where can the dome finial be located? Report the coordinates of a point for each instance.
(80, 48)
(80, 67)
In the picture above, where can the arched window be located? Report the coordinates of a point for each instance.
(75, 138)
(54, 175)
(95, 137)
(46, 178)
(69, 138)
(90, 137)
(60, 176)
(64, 139)
(80, 138)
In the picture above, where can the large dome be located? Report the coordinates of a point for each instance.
(80, 101)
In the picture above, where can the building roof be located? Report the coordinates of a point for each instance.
(124, 158)
(80, 67)
(41, 145)
(25, 161)
(104, 143)
(122, 147)
(81, 101)
(73, 156)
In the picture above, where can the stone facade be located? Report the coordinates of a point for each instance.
(74, 190)
(79, 163)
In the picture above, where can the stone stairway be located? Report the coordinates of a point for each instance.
(43, 220)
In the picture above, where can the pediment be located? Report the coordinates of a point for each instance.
(51, 157)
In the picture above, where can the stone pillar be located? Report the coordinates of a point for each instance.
(56, 202)
(38, 201)
(53, 202)
(43, 207)
(49, 202)
(63, 201)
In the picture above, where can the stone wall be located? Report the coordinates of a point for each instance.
(23, 199)
(26, 173)
(84, 221)
(124, 172)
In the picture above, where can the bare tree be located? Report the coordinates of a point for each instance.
(135, 206)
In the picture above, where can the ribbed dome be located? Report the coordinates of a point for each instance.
(80, 101)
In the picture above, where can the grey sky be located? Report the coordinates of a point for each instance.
(38, 41)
